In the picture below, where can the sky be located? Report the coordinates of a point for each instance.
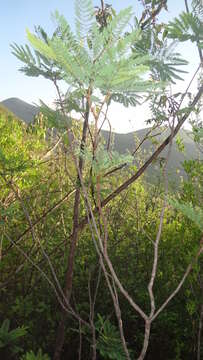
(17, 15)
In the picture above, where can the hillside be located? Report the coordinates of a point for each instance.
(7, 113)
(123, 142)
(129, 142)
(21, 109)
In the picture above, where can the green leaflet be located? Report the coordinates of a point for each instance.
(109, 342)
(39, 45)
(30, 355)
(9, 338)
(186, 27)
(84, 12)
(197, 7)
(127, 99)
(119, 22)
(194, 214)
(101, 58)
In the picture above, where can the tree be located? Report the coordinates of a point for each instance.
(102, 63)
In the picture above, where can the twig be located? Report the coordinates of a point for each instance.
(189, 268)
(155, 258)
(43, 216)
(80, 342)
(153, 14)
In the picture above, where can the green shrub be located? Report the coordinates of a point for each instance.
(9, 338)
(31, 356)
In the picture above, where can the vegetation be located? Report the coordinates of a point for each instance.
(96, 261)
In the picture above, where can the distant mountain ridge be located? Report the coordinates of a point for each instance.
(121, 142)
(21, 109)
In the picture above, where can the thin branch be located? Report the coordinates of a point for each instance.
(187, 272)
(43, 216)
(132, 179)
(120, 322)
(116, 304)
(110, 172)
(66, 307)
(80, 342)
(51, 151)
(146, 339)
(200, 333)
(155, 261)
(186, 5)
(154, 155)
(154, 14)
(91, 316)
(35, 238)
(39, 269)
(90, 215)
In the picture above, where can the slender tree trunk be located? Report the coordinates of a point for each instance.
(200, 334)
(201, 316)
(146, 339)
(60, 335)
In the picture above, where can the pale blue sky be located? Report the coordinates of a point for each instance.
(17, 15)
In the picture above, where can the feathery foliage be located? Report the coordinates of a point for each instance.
(186, 27)
(196, 215)
(84, 11)
(197, 7)
(31, 356)
(35, 63)
(107, 64)
(165, 64)
(9, 338)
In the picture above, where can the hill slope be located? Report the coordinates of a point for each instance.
(5, 112)
(21, 109)
(123, 142)
(129, 142)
